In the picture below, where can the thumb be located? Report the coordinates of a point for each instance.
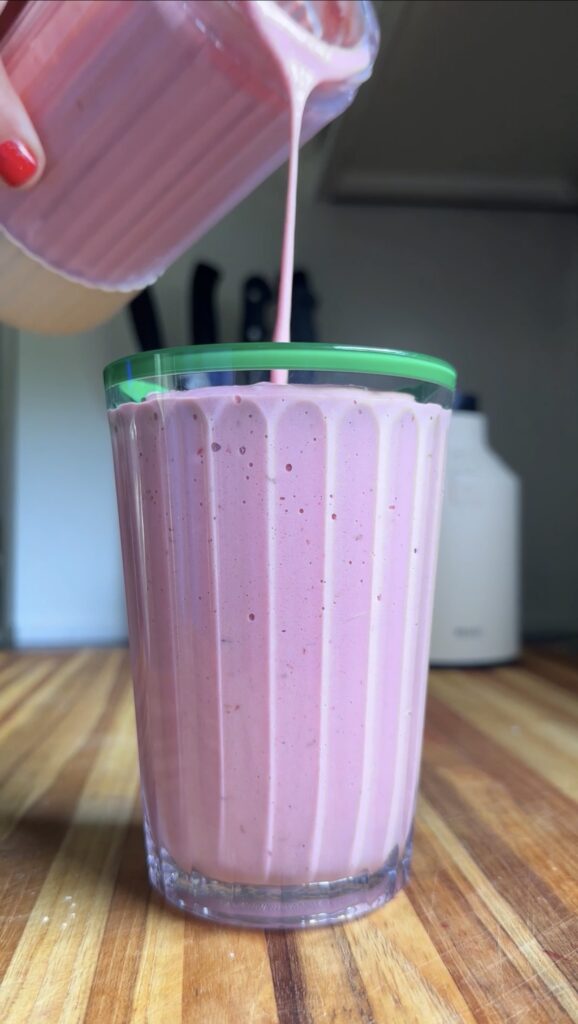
(22, 158)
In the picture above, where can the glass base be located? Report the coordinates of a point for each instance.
(311, 905)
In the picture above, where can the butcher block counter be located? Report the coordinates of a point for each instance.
(487, 930)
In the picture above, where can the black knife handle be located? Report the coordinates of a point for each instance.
(203, 307)
(257, 297)
(146, 322)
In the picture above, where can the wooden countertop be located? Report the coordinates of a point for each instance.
(487, 930)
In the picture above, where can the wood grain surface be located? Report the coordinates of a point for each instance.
(486, 932)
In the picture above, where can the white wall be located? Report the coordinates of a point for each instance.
(494, 292)
(67, 578)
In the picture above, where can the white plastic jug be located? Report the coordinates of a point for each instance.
(477, 600)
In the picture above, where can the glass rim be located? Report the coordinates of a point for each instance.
(263, 355)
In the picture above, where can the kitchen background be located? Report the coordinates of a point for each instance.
(433, 217)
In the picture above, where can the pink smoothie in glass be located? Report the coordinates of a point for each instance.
(279, 546)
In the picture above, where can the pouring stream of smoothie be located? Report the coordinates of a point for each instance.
(299, 76)
(299, 86)
(303, 66)
(298, 98)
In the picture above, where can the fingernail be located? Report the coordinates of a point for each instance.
(17, 163)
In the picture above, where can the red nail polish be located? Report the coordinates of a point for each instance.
(17, 164)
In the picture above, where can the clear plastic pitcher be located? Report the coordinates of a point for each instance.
(158, 117)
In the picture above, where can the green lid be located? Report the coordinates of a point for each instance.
(273, 356)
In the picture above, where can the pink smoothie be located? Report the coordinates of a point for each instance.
(279, 547)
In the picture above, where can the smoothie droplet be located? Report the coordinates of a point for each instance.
(215, 447)
(251, 617)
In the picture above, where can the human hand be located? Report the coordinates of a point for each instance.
(22, 158)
